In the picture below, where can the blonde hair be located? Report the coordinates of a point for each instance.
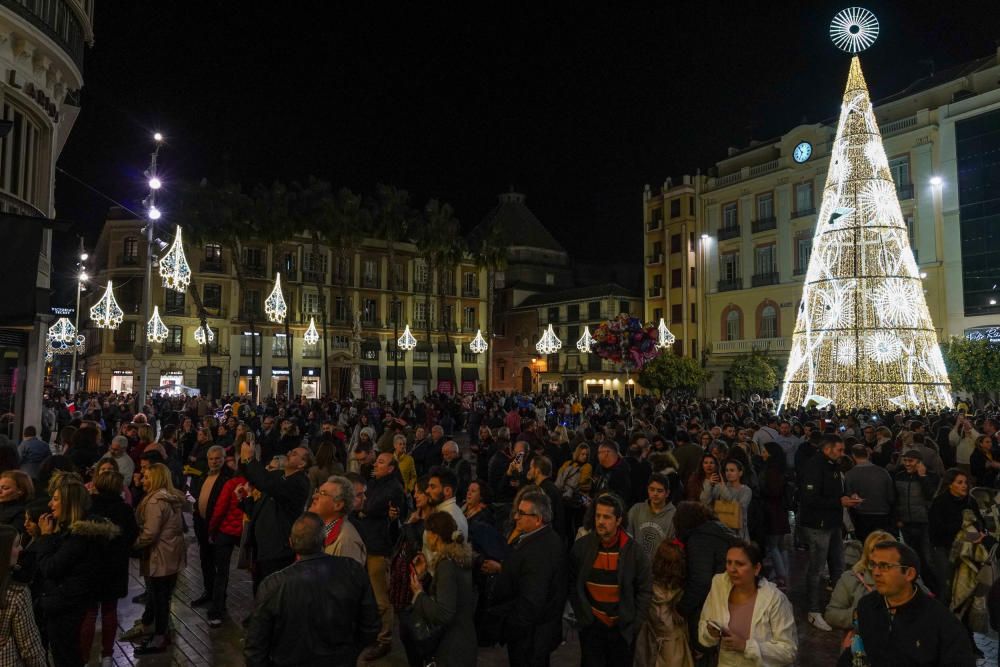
(159, 478)
(873, 538)
(562, 434)
(145, 432)
(74, 501)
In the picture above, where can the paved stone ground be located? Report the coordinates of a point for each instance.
(196, 644)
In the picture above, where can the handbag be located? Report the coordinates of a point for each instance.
(420, 636)
(730, 513)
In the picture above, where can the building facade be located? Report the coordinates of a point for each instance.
(41, 57)
(250, 354)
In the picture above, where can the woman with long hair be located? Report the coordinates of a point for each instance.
(21, 643)
(708, 471)
(854, 584)
(477, 503)
(411, 541)
(164, 555)
(16, 490)
(984, 463)
(326, 464)
(733, 490)
(69, 551)
(944, 521)
(663, 638)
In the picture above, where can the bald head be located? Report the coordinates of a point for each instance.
(307, 535)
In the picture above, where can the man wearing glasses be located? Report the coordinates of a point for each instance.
(332, 502)
(899, 624)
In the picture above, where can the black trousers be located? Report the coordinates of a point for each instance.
(222, 555)
(601, 646)
(159, 591)
(206, 555)
(64, 637)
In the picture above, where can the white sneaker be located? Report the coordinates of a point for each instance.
(817, 621)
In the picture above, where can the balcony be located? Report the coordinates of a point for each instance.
(653, 260)
(312, 277)
(730, 232)
(371, 282)
(744, 346)
(213, 311)
(173, 348)
(255, 315)
(341, 278)
(654, 225)
(128, 260)
(287, 275)
(730, 285)
(254, 271)
(174, 309)
(655, 292)
(804, 212)
(904, 192)
(421, 287)
(212, 266)
(59, 22)
(761, 279)
(471, 292)
(764, 224)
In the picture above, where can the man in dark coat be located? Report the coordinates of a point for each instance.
(283, 496)
(612, 475)
(318, 611)
(530, 591)
(205, 490)
(540, 474)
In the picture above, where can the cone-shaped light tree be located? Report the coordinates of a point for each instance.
(863, 336)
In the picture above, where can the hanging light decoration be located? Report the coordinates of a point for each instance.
(664, 338)
(156, 330)
(549, 343)
(406, 342)
(275, 307)
(106, 314)
(174, 268)
(62, 339)
(311, 336)
(62, 331)
(586, 340)
(478, 344)
(203, 334)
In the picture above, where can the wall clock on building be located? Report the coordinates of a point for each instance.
(802, 152)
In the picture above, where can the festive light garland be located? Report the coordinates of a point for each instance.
(311, 336)
(549, 343)
(664, 338)
(106, 314)
(275, 307)
(478, 344)
(156, 330)
(62, 338)
(406, 342)
(203, 334)
(586, 340)
(174, 268)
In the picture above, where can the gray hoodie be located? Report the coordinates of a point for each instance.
(648, 529)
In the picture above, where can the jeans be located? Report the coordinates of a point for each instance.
(158, 593)
(825, 544)
(779, 557)
(601, 646)
(222, 554)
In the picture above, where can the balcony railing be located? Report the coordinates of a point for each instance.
(655, 292)
(804, 212)
(371, 282)
(764, 224)
(128, 260)
(173, 348)
(761, 279)
(341, 278)
(255, 315)
(421, 287)
(745, 345)
(654, 225)
(254, 271)
(287, 275)
(730, 285)
(311, 277)
(904, 192)
(730, 232)
(652, 260)
(57, 20)
(174, 309)
(211, 266)
(472, 292)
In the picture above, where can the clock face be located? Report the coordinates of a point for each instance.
(802, 152)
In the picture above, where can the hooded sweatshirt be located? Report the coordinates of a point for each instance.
(649, 528)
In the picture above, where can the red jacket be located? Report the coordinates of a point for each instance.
(227, 517)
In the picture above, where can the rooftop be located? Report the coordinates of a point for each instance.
(519, 224)
(578, 294)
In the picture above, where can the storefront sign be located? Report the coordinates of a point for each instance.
(468, 387)
(310, 371)
(249, 371)
(121, 372)
(369, 388)
(279, 370)
(446, 387)
(987, 333)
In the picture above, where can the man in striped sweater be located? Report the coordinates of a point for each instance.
(610, 587)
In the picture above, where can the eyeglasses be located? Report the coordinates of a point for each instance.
(885, 567)
(520, 513)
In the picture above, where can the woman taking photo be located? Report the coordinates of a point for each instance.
(16, 490)
(663, 638)
(445, 601)
(733, 491)
(709, 471)
(984, 463)
(747, 616)
(411, 541)
(21, 643)
(164, 554)
(69, 551)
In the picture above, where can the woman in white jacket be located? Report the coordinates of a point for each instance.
(748, 616)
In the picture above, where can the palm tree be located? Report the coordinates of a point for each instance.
(391, 216)
(350, 223)
(491, 255)
(438, 228)
(450, 254)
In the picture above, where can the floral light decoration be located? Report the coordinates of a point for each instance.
(174, 268)
(106, 313)
(203, 334)
(311, 336)
(156, 330)
(586, 341)
(274, 306)
(478, 344)
(406, 342)
(664, 338)
(549, 343)
(625, 340)
(62, 338)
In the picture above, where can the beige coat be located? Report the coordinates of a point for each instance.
(161, 534)
(348, 544)
(663, 637)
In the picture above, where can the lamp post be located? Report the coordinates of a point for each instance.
(153, 214)
(76, 314)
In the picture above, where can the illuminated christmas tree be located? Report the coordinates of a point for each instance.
(863, 335)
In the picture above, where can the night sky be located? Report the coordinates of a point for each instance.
(575, 105)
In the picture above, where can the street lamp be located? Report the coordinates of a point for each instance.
(154, 214)
(80, 279)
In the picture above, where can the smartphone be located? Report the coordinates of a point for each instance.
(721, 629)
(519, 457)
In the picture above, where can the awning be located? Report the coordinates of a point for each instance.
(421, 373)
(424, 346)
(445, 348)
(371, 345)
(470, 374)
(445, 373)
(369, 372)
(394, 373)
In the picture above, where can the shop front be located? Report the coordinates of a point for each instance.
(279, 381)
(421, 380)
(395, 383)
(369, 381)
(171, 378)
(249, 379)
(311, 382)
(121, 380)
(445, 380)
(470, 377)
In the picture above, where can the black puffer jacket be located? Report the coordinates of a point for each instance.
(115, 569)
(12, 514)
(318, 611)
(68, 560)
(705, 552)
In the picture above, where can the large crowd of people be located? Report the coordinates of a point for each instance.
(656, 531)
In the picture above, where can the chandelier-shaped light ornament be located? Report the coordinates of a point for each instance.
(275, 307)
(156, 330)
(106, 313)
(586, 340)
(478, 344)
(63, 339)
(174, 268)
(549, 343)
(203, 334)
(62, 331)
(406, 342)
(664, 338)
(311, 336)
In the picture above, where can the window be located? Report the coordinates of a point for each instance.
(173, 302)
(288, 262)
(733, 325)
(130, 250)
(175, 340)
(420, 275)
(421, 355)
(675, 208)
(212, 295)
(764, 261)
(420, 314)
(310, 303)
(803, 199)
(694, 312)
(468, 356)
(469, 318)
(550, 279)
(729, 269)
(392, 351)
(342, 310)
(395, 312)
(18, 154)
(448, 316)
(675, 278)
(899, 167)
(572, 335)
(768, 322)
(765, 206)
(729, 216)
(623, 307)
(341, 342)
(675, 243)
(369, 273)
(314, 263)
(251, 302)
(694, 277)
(249, 345)
(552, 363)
(502, 370)
(213, 252)
(909, 233)
(658, 280)
(444, 354)
(253, 257)
(694, 349)
(594, 363)
(553, 314)
(679, 347)
(279, 345)
(369, 311)
(803, 249)
(594, 310)
(342, 270)
(573, 313)
(470, 284)
(691, 242)
(446, 281)
(676, 312)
